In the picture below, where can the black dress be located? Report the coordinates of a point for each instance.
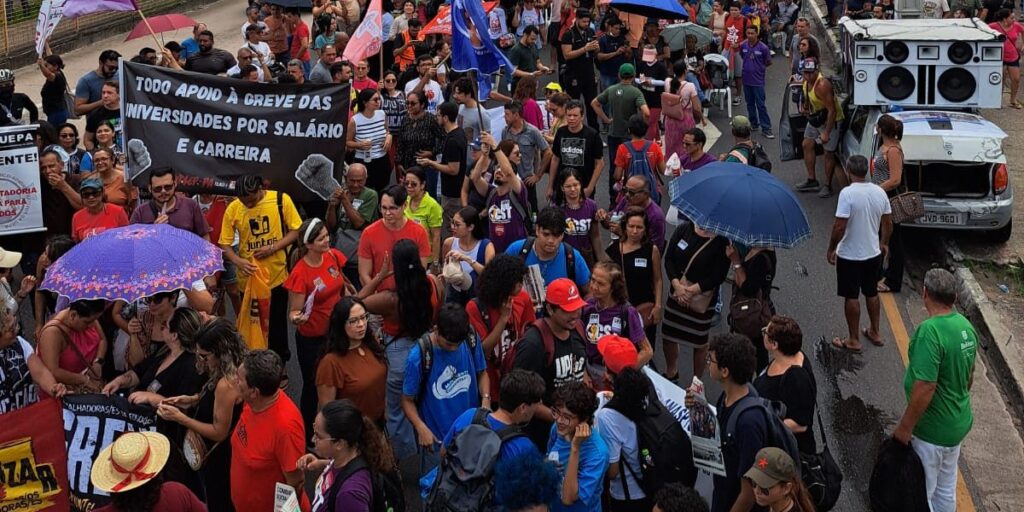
(216, 470)
(710, 267)
(797, 389)
(638, 269)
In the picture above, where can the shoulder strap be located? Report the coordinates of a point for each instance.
(570, 261)
(695, 256)
(480, 417)
(547, 338)
(426, 360)
(483, 313)
(513, 199)
(748, 402)
(350, 469)
(524, 251)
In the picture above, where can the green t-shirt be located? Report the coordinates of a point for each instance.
(624, 100)
(524, 57)
(365, 204)
(942, 351)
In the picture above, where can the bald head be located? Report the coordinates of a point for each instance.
(355, 179)
(637, 191)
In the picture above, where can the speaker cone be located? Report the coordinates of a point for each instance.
(896, 52)
(960, 53)
(896, 83)
(957, 85)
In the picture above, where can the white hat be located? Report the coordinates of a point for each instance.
(9, 259)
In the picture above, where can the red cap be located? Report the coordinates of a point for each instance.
(565, 294)
(618, 352)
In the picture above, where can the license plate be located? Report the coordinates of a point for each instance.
(953, 219)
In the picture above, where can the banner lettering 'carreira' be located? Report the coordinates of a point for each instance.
(21, 209)
(91, 422)
(33, 464)
(216, 127)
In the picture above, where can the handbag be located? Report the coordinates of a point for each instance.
(821, 474)
(907, 205)
(674, 105)
(747, 315)
(69, 102)
(702, 301)
(194, 450)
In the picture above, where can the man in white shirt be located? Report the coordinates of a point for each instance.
(252, 18)
(426, 84)
(859, 243)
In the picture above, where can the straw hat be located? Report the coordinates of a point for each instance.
(130, 461)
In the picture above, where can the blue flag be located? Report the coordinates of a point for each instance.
(472, 47)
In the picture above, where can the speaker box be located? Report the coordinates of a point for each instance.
(928, 73)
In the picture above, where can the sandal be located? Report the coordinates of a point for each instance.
(842, 344)
(1016, 104)
(876, 342)
(883, 288)
(674, 378)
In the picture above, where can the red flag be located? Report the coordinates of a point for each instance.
(368, 38)
(442, 23)
(33, 456)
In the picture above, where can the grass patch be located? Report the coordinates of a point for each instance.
(1010, 275)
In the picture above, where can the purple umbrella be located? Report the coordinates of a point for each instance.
(133, 262)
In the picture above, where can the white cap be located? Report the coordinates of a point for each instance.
(8, 259)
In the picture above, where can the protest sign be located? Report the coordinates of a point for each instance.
(705, 432)
(50, 14)
(215, 127)
(21, 209)
(91, 422)
(33, 461)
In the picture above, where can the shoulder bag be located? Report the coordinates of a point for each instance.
(69, 100)
(747, 315)
(700, 302)
(193, 447)
(906, 206)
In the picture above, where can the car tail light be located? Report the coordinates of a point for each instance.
(1000, 179)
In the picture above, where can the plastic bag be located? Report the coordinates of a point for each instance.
(672, 165)
(254, 317)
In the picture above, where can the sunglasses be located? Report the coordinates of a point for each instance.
(630, 192)
(162, 188)
(91, 193)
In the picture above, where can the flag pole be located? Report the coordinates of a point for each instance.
(476, 94)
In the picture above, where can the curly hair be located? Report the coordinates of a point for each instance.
(413, 288)
(632, 390)
(631, 212)
(337, 339)
(736, 353)
(526, 88)
(526, 481)
(578, 398)
(219, 338)
(344, 421)
(618, 280)
(678, 498)
(499, 280)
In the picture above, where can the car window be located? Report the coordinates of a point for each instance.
(858, 121)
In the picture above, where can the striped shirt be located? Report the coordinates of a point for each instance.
(373, 129)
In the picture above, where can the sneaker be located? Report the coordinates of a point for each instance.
(736, 101)
(807, 186)
(768, 134)
(825, 191)
(786, 53)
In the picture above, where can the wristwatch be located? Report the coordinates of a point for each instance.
(737, 266)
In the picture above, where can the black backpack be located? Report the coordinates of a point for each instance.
(779, 436)
(755, 156)
(570, 256)
(427, 357)
(665, 451)
(465, 478)
(388, 494)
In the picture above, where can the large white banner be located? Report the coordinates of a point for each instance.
(21, 209)
(50, 13)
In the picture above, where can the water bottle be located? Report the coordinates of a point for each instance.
(645, 458)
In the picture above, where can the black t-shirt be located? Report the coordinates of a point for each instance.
(53, 93)
(214, 63)
(179, 378)
(16, 111)
(455, 145)
(583, 66)
(569, 364)
(750, 436)
(798, 390)
(578, 150)
(656, 71)
(993, 7)
(98, 116)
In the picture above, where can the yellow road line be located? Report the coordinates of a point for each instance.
(964, 501)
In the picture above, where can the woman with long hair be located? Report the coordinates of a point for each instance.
(526, 93)
(392, 102)
(318, 274)
(554, 106)
(368, 138)
(73, 347)
(776, 481)
(753, 275)
(506, 203)
(685, 92)
(470, 248)
(350, 451)
(423, 209)
(215, 409)
(640, 261)
(45, 302)
(353, 365)
(406, 317)
(616, 422)
(608, 311)
(131, 470)
(52, 68)
(887, 172)
(582, 229)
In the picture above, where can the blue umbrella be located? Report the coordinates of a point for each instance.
(661, 9)
(742, 203)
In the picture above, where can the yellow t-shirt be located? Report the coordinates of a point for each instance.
(429, 214)
(260, 227)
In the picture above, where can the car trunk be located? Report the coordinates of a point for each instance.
(949, 179)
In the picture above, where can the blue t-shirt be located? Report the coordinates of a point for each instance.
(554, 268)
(452, 385)
(90, 86)
(755, 60)
(189, 47)
(593, 465)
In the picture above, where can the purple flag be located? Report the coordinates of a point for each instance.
(76, 8)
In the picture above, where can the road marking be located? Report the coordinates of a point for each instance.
(964, 501)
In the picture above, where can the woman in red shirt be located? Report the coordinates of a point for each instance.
(97, 215)
(314, 286)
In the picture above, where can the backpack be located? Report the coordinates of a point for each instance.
(640, 165)
(388, 494)
(570, 256)
(546, 336)
(755, 156)
(665, 451)
(717, 73)
(427, 358)
(465, 477)
(518, 206)
(779, 436)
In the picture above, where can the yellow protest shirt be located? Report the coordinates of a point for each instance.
(260, 227)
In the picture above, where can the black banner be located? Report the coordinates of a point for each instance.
(91, 422)
(208, 126)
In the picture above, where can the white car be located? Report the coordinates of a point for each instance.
(954, 159)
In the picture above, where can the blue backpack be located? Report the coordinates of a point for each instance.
(639, 165)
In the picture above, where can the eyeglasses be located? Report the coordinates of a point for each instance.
(203, 357)
(709, 360)
(411, 104)
(558, 414)
(67, 135)
(764, 331)
(762, 490)
(356, 320)
(162, 188)
(390, 208)
(390, 80)
(630, 192)
(88, 194)
(318, 437)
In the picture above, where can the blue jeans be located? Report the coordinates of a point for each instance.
(400, 431)
(756, 108)
(692, 78)
(57, 117)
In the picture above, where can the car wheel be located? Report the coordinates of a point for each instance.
(1000, 235)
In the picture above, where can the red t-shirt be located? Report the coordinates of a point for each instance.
(329, 283)
(735, 31)
(522, 316)
(654, 154)
(174, 497)
(264, 446)
(378, 240)
(300, 34)
(214, 214)
(365, 83)
(85, 224)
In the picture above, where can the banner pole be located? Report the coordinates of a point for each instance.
(380, 57)
(150, 27)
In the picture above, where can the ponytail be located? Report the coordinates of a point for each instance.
(375, 448)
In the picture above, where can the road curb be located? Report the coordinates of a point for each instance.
(825, 36)
(1007, 364)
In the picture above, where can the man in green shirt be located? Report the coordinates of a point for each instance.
(624, 99)
(350, 209)
(526, 57)
(938, 384)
